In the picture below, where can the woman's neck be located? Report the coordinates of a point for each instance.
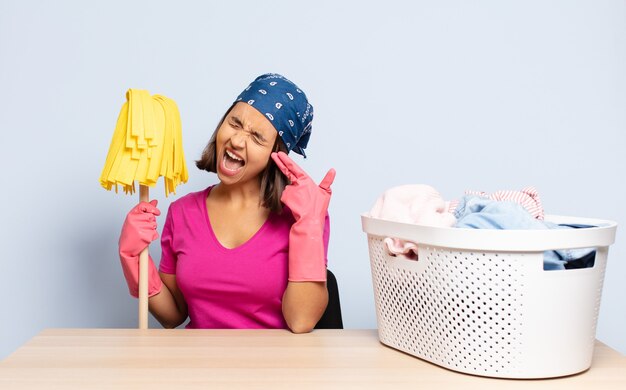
(239, 195)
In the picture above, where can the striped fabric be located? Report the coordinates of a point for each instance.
(527, 198)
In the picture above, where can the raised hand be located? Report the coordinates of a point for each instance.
(308, 203)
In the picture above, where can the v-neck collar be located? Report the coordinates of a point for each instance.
(213, 236)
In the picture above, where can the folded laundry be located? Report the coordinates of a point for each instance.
(416, 204)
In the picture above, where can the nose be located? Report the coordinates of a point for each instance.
(238, 140)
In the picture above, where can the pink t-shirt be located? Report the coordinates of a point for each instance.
(227, 288)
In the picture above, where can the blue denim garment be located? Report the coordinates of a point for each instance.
(476, 212)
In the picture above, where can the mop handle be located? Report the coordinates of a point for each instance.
(143, 271)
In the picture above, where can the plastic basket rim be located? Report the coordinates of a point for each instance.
(498, 240)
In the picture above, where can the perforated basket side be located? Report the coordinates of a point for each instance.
(489, 308)
(487, 313)
(458, 309)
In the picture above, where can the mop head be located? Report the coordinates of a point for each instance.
(147, 143)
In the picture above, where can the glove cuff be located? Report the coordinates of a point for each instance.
(130, 266)
(307, 261)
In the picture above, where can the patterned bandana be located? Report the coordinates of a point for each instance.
(285, 105)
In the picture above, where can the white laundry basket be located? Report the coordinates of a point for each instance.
(480, 302)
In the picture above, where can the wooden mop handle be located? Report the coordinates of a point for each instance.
(144, 196)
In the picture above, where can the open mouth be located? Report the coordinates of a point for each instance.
(231, 162)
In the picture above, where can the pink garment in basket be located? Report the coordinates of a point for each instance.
(418, 204)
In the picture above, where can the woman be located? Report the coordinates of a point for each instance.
(249, 252)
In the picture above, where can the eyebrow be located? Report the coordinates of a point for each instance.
(236, 120)
(240, 124)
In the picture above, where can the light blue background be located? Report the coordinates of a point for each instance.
(460, 95)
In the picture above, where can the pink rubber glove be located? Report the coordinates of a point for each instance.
(309, 204)
(138, 231)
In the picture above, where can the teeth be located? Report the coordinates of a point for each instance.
(233, 156)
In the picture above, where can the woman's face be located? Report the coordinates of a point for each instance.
(243, 144)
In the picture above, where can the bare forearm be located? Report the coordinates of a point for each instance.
(169, 311)
(304, 304)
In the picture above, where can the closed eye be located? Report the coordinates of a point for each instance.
(258, 137)
(236, 122)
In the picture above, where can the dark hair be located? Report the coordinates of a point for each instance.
(273, 181)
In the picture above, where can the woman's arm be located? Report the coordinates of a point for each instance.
(304, 304)
(306, 296)
(168, 306)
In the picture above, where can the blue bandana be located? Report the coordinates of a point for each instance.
(285, 105)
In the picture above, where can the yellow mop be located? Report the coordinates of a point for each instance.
(146, 144)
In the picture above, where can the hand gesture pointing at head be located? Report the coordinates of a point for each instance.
(309, 204)
(305, 198)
